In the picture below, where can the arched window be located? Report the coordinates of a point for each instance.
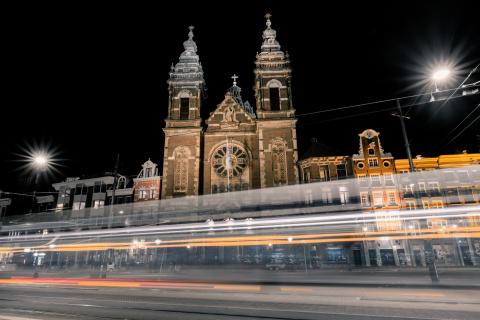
(274, 94)
(180, 177)
(184, 97)
(279, 162)
(122, 182)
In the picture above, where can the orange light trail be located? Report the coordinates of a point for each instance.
(437, 233)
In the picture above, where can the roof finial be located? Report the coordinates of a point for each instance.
(268, 16)
(190, 34)
(234, 77)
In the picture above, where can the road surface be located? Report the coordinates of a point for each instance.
(54, 298)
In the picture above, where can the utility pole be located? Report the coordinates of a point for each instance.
(429, 255)
(115, 174)
(34, 194)
(405, 138)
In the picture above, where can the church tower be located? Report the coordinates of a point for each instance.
(183, 130)
(276, 115)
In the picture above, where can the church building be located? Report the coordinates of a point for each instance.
(237, 147)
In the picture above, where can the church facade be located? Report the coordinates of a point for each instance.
(237, 147)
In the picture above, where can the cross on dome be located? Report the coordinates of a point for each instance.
(268, 16)
(234, 77)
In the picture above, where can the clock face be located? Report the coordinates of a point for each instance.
(229, 161)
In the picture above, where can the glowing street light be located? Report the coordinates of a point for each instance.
(40, 160)
(439, 75)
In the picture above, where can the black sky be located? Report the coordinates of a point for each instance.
(91, 80)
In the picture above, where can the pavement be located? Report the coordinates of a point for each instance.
(169, 299)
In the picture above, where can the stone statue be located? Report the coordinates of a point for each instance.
(229, 114)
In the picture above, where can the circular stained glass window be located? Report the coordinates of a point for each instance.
(229, 161)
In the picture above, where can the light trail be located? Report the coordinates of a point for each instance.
(289, 239)
(391, 216)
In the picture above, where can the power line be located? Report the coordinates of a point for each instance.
(458, 125)
(468, 126)
(374, 102)
(451, 95)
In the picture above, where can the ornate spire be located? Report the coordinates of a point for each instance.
(190, 45)
(188, 66)
(269, 37)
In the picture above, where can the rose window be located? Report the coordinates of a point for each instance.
(229, 161)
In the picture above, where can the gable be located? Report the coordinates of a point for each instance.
(229, 115)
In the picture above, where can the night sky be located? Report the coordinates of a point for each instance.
(91, 81)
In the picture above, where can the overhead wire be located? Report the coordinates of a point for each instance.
(464, 129)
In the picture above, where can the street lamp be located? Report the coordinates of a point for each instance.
(440, 75)
(40, 161)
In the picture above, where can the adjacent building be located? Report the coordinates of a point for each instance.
(146, 185)
(76, 194)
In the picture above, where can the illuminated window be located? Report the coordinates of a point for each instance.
(388, 179)
(375, 178)
(98, 203)
(323, 173)
(425, 204)
(279, 162)
(363, 179)
(78, 206)
(344, 196)
(373, 162)
(364, 199)
(306, 175)
(434, 186)
(151, 193)
(436, 204)
(408, 188)
(422, 187)
(378, 199)
(392, 198)
(142, 194)
(410, 205)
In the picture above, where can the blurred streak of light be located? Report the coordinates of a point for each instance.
(357, 218)
(438, 233)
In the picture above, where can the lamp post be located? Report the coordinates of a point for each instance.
(40, 162)
(405, 137)
(438, 75)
